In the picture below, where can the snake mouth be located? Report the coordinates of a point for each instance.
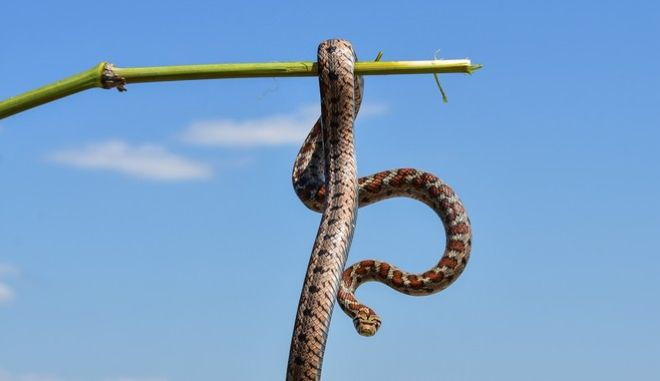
(367, 326)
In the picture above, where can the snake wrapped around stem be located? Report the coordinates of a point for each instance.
(325, 180)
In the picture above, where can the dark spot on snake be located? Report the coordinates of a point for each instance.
(456, 245)
(307, 312)
(302, 337)
(384, 270)
(445, 204)
(313, 289)
(429, 178)
(299, 360)
(332, 221)
(433, 276)
(373, 186)
(332, 75)
(397, 279)
(346, 278)
(330, 49)
(415, 282)
(448, 262)
(447, 190)
(458, 229)
(318, 269)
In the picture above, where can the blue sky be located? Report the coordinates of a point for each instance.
(142, 238)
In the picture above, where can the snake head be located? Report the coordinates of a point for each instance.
(366, 322)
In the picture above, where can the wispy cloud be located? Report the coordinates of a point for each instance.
(6, 293)
(272, 130)
(370, 109)
(146, 161)
(6, 376)
(6, 269)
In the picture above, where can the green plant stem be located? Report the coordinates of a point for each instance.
(285, 69)
(88, 79)
(97, 76)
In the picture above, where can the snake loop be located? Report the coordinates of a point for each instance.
(324, 178)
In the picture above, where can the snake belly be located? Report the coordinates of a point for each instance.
(308, 182)
(336, 80)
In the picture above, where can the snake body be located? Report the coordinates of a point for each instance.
(335, 67)
(325, 185)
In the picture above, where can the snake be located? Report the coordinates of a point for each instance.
(325, 180)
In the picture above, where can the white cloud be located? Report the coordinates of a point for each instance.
(6, 376)
(6, 296)
(6, 293)
(279, 129)
(6, 269)
(368, 110)
(147, 161)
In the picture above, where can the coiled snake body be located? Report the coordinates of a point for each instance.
(325, 179)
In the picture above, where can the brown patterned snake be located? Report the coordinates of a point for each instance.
(325, 179)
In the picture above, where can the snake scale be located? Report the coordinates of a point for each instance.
(325, 180)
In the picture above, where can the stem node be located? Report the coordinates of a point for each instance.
(110, 79)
